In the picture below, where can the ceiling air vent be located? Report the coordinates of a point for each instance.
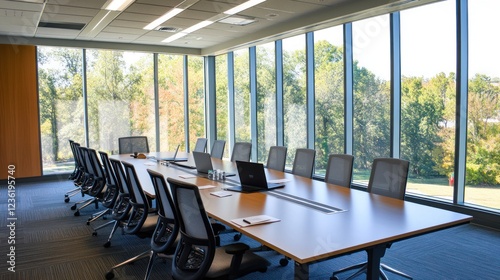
(61, 25)
(167, 29)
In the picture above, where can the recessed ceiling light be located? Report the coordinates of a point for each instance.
(244, 6)
(236, 20)
(117, 5)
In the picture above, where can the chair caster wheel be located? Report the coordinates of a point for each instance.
(66, 199)
(106, 245)
(73, 207)
(237, 237)
(283, 262)
(110, 275)
(94, 233)
(77, 213)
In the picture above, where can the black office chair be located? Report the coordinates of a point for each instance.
(277, 158)
(218, 149)
(201, 145)
(77, 173)
(122, 207)
(388, 178)
(133, 144)
(165, 237)
(197, 256)
(339, 170)
(241, 151)
(94, 182)
(110, 192)
(143, 218)
(303, 164)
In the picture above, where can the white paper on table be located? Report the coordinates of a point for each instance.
(150, 163)
(255, 220)
(187, 176)
(221, 193)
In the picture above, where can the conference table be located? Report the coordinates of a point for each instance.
(317, 221)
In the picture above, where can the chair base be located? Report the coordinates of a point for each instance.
(362, 269)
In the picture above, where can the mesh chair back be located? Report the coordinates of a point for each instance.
(241, 151)
(303, 164)
(134, 186)
(339, 170)
(122, 205)
(132, 144)
(139, 202)
(112, 187)
(277, 158)
(218, 149)
(167, 228)
(196, 249)
(120, 176)
(98, 173)
(388, 177)
(201, 145)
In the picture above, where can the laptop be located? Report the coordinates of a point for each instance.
(253, 178)
(203, 163)
(174, 158)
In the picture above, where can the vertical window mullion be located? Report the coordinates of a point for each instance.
(395, 85)
(348, 89)
(461, 99)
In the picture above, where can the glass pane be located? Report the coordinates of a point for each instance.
(371, 44)
(483, 139)
(222, 99)
(428, 97)
(120, 98)
(196, 99)
(171, 101)
(294, 95)
(61, 106)
(241, 96)
(329, 95)
(266, 100)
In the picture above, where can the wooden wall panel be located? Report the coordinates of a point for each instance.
(19, 118)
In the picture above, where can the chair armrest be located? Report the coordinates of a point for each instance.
(236, 248)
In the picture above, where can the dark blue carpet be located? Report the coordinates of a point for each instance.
(51, 243)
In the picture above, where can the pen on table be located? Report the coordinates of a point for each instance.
(244, 220)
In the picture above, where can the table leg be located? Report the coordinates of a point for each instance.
(373, 265)
(301, 271)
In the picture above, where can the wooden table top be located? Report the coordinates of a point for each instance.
(305, 234)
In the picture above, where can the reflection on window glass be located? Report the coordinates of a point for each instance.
(329, 95)
(428, 97)
(266, 100)
(241, 96)
(171, 101)
(294, 95)
(196, 94)
(483, 131)
(120, 98)
(371, 69)
(222, 99)
(61, 106)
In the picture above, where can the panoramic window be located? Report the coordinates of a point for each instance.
(266, 100)
(241, 96)
(171, 100)
(222, 100)
(61, 106)
(196, 97)
(428, 94)
(329, 95)
(294, 95)
(120, 98)
(371, 70)
(483, 132)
